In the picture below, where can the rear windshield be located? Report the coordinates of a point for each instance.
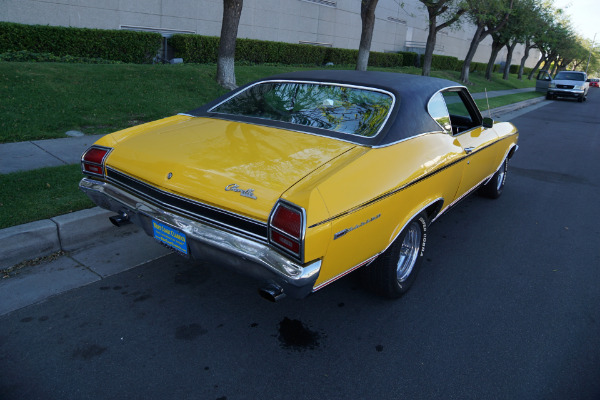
(569, 76)
(345, 109)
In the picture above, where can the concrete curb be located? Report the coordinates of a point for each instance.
(499, 111)
(66, 232)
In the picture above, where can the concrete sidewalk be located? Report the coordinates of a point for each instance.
(86, 237)
(36, 154)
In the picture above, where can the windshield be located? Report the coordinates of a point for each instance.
(346, 109)
(569, 76)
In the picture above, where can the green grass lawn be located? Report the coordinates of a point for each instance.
(39, 194)
(500, 101)
(44, 100)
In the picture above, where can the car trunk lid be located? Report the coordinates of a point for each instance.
(239, 167)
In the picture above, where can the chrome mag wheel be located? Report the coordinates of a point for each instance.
(409, 252)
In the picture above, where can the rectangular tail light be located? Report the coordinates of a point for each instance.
(93, 159)
(286, 228)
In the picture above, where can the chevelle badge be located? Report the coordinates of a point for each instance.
(246, 193)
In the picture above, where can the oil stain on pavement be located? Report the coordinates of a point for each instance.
(295, 335)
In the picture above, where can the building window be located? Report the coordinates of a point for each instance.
(397, 20)
(327, 3)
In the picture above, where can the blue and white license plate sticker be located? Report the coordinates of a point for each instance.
(170, 236)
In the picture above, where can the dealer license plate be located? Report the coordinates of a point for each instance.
(170, 236)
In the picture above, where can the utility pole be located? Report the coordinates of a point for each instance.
(590, 56)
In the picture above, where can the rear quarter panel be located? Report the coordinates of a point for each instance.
(374, 193)
(508, 136)
(371, 194)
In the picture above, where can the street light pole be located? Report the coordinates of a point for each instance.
(590, 55)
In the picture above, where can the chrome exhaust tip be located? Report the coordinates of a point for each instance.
(272, 292)
(120, 219)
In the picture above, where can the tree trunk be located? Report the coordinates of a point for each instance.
(496, 46)
(554, 66)
(524, 59)
(509, 54)
(537, 65)
(367, 16)
(435, 9)
(232, 10)
(429, 46)
(477, 38)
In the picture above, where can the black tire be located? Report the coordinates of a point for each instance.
(393, 272)
(580, 99)
(493, 189)
(549, 96)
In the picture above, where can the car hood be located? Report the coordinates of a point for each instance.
(568, 82)
(235, 166)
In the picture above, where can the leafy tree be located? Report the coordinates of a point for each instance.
(593, 60)
(450, 12)
(518, 29)
(543, 36)
(534, 20)
(232, 11)
(488, 16)
(575, 57)
(367, 16)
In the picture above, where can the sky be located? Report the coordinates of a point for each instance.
(584, 16)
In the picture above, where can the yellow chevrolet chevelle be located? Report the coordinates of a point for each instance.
(301, 178)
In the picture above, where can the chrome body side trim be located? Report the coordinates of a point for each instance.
(335, 278)
(206, 242)
(411, 183)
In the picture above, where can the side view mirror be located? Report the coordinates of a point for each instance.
(488, 122)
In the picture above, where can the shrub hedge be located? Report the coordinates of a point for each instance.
(28, 56)
(21, 42)
(204, 49)
(119, 45)
(514, 69)
(443, 62)
(477, 67)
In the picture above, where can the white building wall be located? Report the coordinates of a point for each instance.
(331, 22)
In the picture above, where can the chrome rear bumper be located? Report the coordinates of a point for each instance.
(209, 243)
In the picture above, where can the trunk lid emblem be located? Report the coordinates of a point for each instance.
(249, 193)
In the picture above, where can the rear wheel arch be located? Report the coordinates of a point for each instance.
(433, 210)
(394, 271)
(430, 208)
(512, 151)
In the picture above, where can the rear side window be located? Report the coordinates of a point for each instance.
(439, 112)
(454, 110)
(346, 109)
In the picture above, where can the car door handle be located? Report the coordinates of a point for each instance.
(469, 150)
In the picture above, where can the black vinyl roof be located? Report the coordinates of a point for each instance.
(408, 118)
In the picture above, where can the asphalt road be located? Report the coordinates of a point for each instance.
(507, 306)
